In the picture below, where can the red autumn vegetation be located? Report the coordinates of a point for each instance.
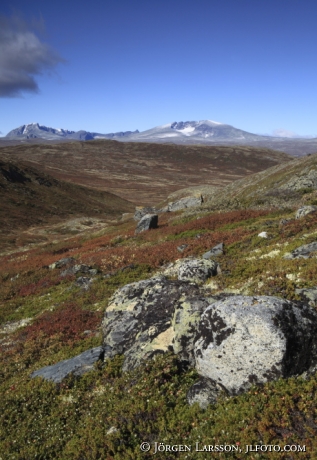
(68, 323)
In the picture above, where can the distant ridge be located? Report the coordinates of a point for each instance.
(203, 132)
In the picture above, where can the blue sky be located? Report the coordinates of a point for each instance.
(116, 65)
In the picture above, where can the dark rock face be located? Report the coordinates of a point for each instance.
(77, 366)
(247, 340)
(147, 222)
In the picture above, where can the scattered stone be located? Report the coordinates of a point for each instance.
(147, 222)
(78, 365)
(246, 340)
(204, 392)
(263, 235)
(215, 251)
(303, 252)
(302, 212)
(83, 282)
(285, 221)
(62, 263)
(182, 247)
(112, 430)
(79, 268)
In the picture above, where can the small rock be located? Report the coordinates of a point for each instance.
(62, 263)
(263, 235)
(204, 392)
(215, 251)
(182, 247)
(112, 430)
(83, 282)
(302, 212)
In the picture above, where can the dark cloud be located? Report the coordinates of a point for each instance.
(23, 56)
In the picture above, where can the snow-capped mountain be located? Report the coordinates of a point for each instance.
(188, 132)
(36, 131)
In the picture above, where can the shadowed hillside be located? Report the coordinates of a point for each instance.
(31, 198)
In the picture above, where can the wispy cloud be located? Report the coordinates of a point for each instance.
(284, 133)
(23, 57)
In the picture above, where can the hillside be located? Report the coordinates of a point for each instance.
(32, 200)
(54, 297)
(141, 172)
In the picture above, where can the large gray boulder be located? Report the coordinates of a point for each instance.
(77, 366)
(147, 222)
(246, 340)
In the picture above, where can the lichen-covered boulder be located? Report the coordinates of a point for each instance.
(303, 211)
(152, 316)
(191, 269)
(303, 252)
(245, 340)
(147, 222)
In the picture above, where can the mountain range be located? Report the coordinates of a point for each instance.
(204, 132)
